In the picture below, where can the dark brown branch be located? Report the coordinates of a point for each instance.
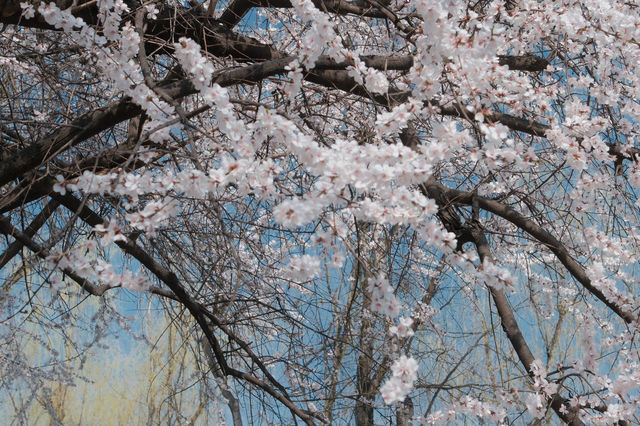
(25, 240)
(198, 311)
(457, 197)
(14, 248)
(405, 62)
(234, 13)
(94, 122)
(512, 330)
(524, 62)
(81, 129)
(472, 232)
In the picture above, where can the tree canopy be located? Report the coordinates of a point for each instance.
(354, 211)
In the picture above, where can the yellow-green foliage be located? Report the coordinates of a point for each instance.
(131, 382)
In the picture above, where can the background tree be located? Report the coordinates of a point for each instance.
(359, 211)
(112, 383)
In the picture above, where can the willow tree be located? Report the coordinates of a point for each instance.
(371, 210)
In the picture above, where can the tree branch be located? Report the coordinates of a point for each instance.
(14, 248)
(197, 310)
(456, 197)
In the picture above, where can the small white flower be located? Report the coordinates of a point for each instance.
(28, 11)
(60, 186)
(152, 11)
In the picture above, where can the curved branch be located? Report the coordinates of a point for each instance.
(457, 197)
(515, 336)
(197, 310)
(473, 232)
(237, 10)
(22, 238)
(100, 119)
(14, 248)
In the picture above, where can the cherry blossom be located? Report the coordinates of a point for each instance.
(358, 208)
(404, 372)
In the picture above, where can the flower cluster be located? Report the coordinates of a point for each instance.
(56, 17)
(302, 268)
(152, 11)
(152, 216)
(403, 329)
(382, 298)
(600, 279)
(536, 405)
(110, 233)
(83, 262)
(390, 123)
(374, 80)
(403, 374)
(296, 212)
(544, 389)
(467, 405)
(115, 59)
(495, 276)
